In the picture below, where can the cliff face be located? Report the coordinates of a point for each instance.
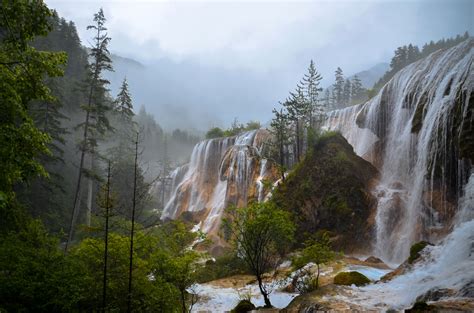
(222, 172)
(330, 190)
(418, 131)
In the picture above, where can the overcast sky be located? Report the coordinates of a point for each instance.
(275, 38)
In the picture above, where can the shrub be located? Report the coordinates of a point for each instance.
(214, 132)
(415, 251)
(224, 266)
(243, 306)
(351, 278)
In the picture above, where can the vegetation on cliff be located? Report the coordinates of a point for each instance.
(329, 190)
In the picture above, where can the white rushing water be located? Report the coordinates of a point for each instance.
(219, 299)
(449, 265)
(419, 168)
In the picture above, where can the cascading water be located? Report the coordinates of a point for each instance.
(412, 132)
(221, 172)
(447, 268)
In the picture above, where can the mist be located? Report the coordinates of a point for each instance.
(199, 64)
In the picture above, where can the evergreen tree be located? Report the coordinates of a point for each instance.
(347, 92)
(338, 88)
(357, 91)
(298, 109)
(310, 84)
(280, 129)
(96, 122)
(326, 99)
(123, 103)
(413, 54)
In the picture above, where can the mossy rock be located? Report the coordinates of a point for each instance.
(243, 306)
(330, 190)
(415, 251)
(351, 278)
(420, 307)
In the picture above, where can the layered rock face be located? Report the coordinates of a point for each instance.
(419, 132)
(222, 172)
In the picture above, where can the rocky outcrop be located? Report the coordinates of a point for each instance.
(329, 190)
(222, 172)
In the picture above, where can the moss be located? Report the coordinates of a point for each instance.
(417, 121)
(351, 278)
(243, 306)
(415, 251)
(328, 190)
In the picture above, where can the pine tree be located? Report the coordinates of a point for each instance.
(96, 122)
(413, 54)
(338, 88)
(298, 109)
(357, 91)
(280, 128)
(132, 230)
(310, 85)
(327, 99)
(347, 92)
(123, 103)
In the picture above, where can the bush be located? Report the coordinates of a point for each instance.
(224, 266)
(215, 132)
(351, 278)
(243, 306)
(415, 251)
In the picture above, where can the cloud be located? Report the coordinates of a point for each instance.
(260, 48)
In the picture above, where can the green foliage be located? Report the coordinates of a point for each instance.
(36, 276)
(261, 234)
(22, 73)
(415, 250)
(214, 132)
(408, 54)
(328, 190)
(235, 129)
(243, 306)
(226, 265)
(253, 125)
(351, 278)
(317, 251)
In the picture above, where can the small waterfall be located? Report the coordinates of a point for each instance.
(409, 131)
(222, 171)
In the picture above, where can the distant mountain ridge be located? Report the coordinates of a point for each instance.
(370, 76)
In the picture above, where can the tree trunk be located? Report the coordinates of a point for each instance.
(263, 292)
(134, 201)
(106, 242)
(298, 148)
(317, 277)
(90, 187)
(183, 301)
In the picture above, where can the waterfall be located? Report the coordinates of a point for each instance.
(446, 267)
(221, 172)
(411, 131)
